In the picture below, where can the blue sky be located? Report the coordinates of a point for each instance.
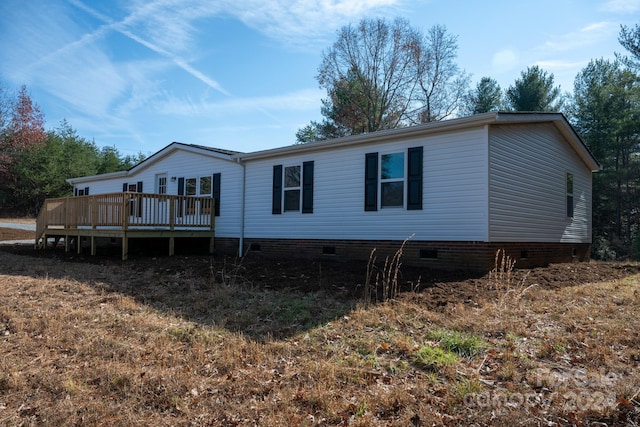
(240, 74)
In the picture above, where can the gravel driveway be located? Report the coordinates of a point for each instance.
(30, 227)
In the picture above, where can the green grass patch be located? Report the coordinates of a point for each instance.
(458, 342)
(434, 358)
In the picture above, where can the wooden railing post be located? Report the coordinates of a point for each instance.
(64, 210)
(41, 224)
(172, 213)
(125, 211)
(94, 212)
(212, 214)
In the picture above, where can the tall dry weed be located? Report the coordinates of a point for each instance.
(509, 289)
(381, 283)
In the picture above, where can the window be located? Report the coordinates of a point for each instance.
(205, 186)
(190, 187)
(569, 185)
(202, 186)
(293, 188)
(133, 188)
(135, 205)
(390, 182)
(190, 190)
(161, 184)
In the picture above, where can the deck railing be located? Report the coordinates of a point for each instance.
(126, 210)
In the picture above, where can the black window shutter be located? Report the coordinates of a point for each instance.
(125, 187)
(414, 181)
(307, 187)
(180, 193)
(139, 199)
(180, 186)
(371, 182)
(86, 191)
(276, 207)
(216, 192)
(75, 191)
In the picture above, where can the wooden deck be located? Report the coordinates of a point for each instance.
(125, 216)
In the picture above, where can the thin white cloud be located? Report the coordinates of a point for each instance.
(173, 27)
(620, 6)
(148, 12)
(142, 90)
(564, 72)
(504, 60)
(308, 99)
(109, 98)
(559, 65)
(77, 73)
(303, 21)
(585, 36)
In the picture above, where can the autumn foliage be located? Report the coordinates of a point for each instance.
(25, 128)
(34, 163)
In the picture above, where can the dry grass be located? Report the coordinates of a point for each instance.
(87, 344)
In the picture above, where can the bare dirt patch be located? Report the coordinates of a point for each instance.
(219, 341)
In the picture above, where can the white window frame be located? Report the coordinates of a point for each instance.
(570, 190)
(286, 189)
(159, 186)
(197, 187)
(200, 178)
(383, 181)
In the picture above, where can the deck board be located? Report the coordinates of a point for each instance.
(126, 216)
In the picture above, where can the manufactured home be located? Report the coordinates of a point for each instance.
(456, 191)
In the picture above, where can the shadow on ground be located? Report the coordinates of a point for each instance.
(267, 299)
(260, 298)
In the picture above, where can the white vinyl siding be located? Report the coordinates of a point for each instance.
(528, 192)
(483, 180)
(186, 164)
(454, 194)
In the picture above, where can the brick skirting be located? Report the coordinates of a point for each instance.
(478, 256)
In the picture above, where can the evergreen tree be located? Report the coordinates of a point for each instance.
(534, 91)
(486, 97)
(606, 113)
(629, 38)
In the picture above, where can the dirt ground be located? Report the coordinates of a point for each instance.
(195, 339)
(442, 287)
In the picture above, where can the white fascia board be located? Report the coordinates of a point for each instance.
(149, 161)
(373, 137)
(175, 146)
